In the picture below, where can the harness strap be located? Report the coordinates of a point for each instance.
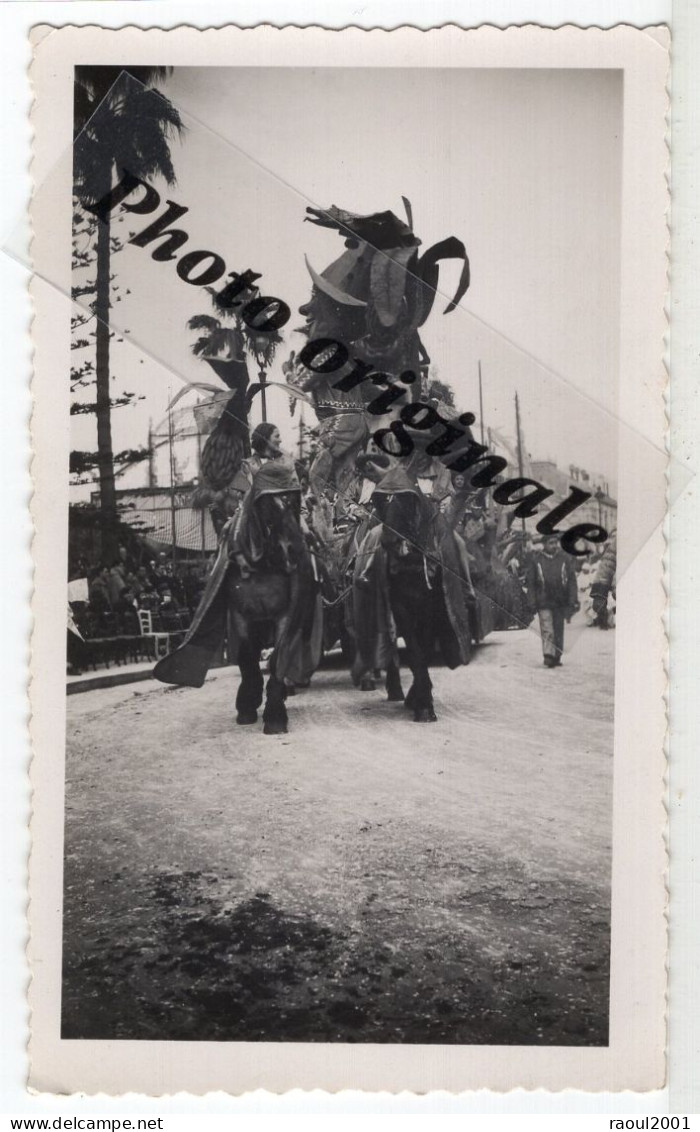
(329, 604)
(425, 571)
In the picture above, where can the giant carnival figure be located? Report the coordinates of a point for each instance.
(373, 299)
(264, 585)
(394, 569)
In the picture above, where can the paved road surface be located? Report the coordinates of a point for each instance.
(363, 878)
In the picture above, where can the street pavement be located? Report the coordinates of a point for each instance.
(362, 878)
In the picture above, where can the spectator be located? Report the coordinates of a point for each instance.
(131, 581)
(127, 609)
(143, 579)
(192, 587)
(553, 593)
(100, 601)
(115, 583)
(149, 599)
(167, 602)
(126, 601)
(176, 586)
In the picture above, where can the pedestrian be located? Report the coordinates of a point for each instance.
(553, 593)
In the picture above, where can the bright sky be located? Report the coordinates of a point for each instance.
(523, 166)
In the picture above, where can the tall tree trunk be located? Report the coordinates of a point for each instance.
(108, 497)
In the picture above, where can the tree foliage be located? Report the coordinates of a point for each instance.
(236, 339)
(119, 122)
(81, 462)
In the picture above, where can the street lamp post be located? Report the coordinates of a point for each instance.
(263, 393)
(259, 345)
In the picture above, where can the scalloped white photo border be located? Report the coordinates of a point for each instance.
(635, 1057)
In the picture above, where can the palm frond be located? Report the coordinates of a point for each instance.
(203, 322)
(127, 127)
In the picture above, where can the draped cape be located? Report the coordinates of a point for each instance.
(299, 645)
(440, 544)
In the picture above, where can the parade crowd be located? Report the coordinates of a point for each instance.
(524, 576)
(111, 596)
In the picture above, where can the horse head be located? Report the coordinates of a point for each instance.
(269, 535)
(279, 521)
(405, 515)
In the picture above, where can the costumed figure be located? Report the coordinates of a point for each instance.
(265, 441)
(602, 593)
(422, 569)
(341, 432)
(372, 300)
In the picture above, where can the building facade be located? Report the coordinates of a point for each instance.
(600, 509)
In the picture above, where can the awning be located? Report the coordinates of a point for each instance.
(152, 517)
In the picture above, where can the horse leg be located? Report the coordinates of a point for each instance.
(361, 677)
(419, 699)
(423, 710)
(250, 692)
(403, 629)
(394, 691)
(275, 713)
(360, 673)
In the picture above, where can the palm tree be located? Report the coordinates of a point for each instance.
(120, 123)
(237, 340)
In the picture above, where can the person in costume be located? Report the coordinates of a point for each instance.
(342, 429)
(265, 442)
(604, 584)
(243, 552)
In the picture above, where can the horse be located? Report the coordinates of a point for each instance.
(264, 584)
(428, 593)
(369, 614)
(355, 607)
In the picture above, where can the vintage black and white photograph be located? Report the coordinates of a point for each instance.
(343, 458)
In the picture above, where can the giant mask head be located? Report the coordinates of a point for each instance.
(380, 291)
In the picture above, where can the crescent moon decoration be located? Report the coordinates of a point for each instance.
(332, 292)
